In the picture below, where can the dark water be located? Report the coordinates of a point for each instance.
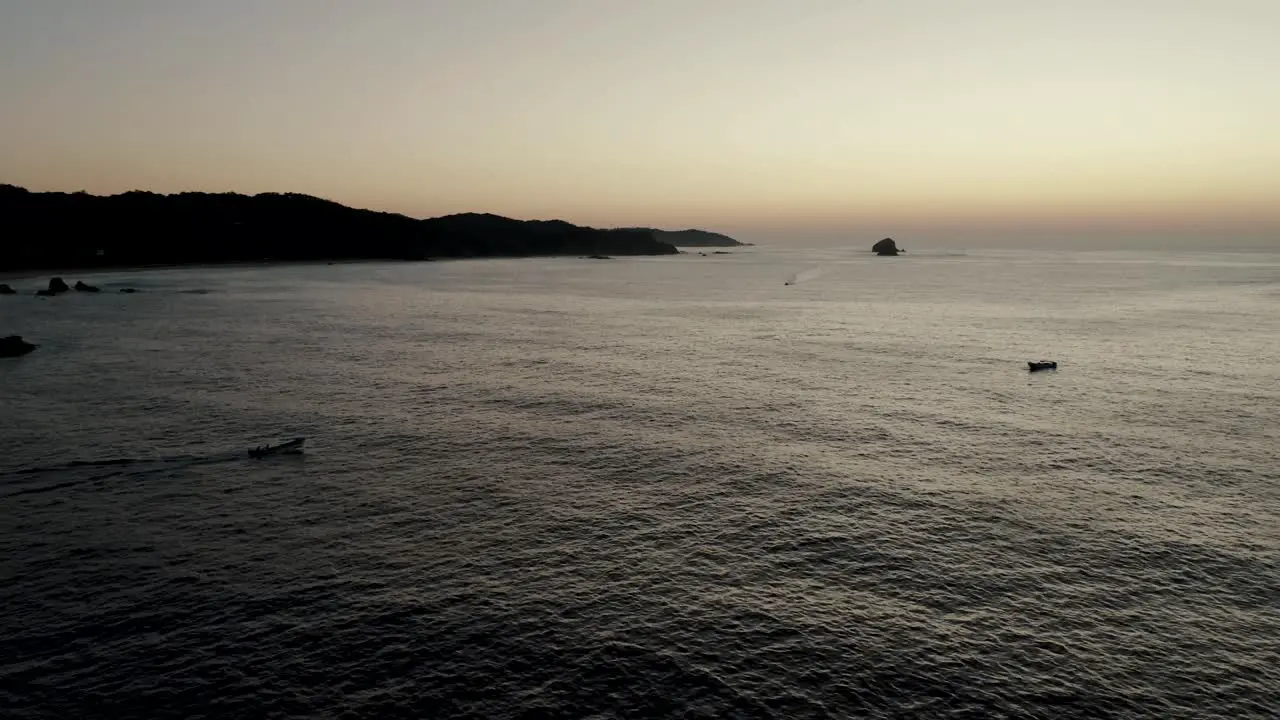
(668, 487)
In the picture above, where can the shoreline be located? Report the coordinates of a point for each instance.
(71, 274)
(75, 272)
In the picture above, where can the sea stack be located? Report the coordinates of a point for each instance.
(886, 247)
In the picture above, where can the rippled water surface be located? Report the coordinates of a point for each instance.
(653, 487)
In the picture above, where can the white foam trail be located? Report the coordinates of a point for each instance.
(811, 273)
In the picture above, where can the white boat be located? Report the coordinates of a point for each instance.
(293, 446)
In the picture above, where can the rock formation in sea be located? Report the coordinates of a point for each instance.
(886, 247)
(14, 346)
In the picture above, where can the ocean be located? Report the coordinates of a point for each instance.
(648, 487)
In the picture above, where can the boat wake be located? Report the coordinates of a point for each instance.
(27, 481)
(807, 275)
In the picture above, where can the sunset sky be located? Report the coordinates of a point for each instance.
(759, 117)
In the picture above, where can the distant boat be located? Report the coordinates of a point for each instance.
(293, 446)
(1038, 365)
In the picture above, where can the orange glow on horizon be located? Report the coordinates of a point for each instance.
(765, 116)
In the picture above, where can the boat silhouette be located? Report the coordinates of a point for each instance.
(290, 447)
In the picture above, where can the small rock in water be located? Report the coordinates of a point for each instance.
(14, 345)
(886, 247)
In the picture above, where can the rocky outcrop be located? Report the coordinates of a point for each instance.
(80, 286)
(56, 287)
(693, 238)
(886, 247)
(6, 290)
(14, 346)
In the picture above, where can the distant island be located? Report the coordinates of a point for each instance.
(693, 238)
(45, 230)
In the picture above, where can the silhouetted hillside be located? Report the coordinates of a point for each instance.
(692, 238)
(52, 230)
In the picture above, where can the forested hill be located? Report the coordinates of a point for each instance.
(69, 230)
(695, 238)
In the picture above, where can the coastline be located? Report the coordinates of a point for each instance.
(77, 272)
(83, 235)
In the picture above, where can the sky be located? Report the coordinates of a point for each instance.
(768, 119)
